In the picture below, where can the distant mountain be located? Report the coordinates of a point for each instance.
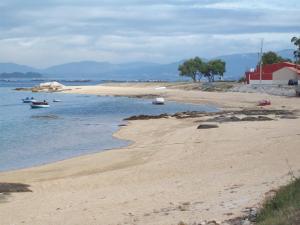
(13, 67)
(108, 71)
(286, 54)
(28, 75)
(236, 65)
(82, 68)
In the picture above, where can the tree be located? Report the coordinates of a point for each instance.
(216, 68)
(190, 68)
(196, 68)
(296, 42)
(271, 58)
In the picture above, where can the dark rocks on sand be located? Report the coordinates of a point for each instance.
(288, 117)
(207, 126)
(189, 114)
(14, 187)
(259, 118)
(223, 119)
(147, 117)
(253, 112)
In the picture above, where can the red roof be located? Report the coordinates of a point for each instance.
(294, 69)
(269, 69)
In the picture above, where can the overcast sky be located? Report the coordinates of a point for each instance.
(43, 32)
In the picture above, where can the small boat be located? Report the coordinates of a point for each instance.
(36, 105)
(158, 101)
(56, 100)
(28, 100)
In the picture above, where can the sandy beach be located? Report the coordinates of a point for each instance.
(172, 172)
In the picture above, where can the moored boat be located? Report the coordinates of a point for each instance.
(56, 100)
(28, 100)
(158, 101)
(43, 104)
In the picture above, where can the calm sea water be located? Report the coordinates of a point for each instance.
(80, 124)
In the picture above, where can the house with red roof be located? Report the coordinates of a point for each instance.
(277, 73)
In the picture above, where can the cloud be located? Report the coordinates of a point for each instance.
(46, 32)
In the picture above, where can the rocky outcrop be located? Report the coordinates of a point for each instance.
(207, 126)
(147, 117)
(14, 187)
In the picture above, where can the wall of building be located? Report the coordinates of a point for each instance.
(283, 76)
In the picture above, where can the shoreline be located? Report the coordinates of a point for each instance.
(113, 134)
(166, 154)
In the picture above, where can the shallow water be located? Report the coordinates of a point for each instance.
(80, 124)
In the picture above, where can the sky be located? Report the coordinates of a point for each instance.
(44, 33)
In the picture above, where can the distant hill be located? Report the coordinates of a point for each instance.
(286, 54)
(236, 65)
(109, 71)
(83, 67)
(28, 75)
(13, 67)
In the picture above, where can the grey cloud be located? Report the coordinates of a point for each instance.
(156, 28)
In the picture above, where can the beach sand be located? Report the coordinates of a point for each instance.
(172, 172)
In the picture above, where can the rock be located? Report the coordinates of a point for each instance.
(22, 89)
(225, 223)
(224, 118)
(54, 85)
(213, 222)
(288, 117)
(259, 118)
(49, 86)
(14, 187)
(252, 215)
(207, 126)
(246, 222)
(147, 117)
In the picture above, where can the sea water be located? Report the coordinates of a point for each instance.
(78, 125)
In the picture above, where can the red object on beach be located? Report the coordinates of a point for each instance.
(264, 102)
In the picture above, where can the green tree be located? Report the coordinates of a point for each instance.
(271, 57)
(296, 42)
(196, 69)
(190, 68)
(216, 68)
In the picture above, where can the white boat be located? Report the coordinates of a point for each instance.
(56, 100)
(158, 101)
(36, 105)
(28, 100)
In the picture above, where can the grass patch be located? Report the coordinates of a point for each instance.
(284, 208)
